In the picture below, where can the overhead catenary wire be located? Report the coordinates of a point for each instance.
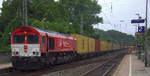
(110, 4)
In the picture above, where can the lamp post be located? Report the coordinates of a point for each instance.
(145, 33)
(24, 12)
(145, 41)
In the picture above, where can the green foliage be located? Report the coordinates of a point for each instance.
(86, 9)
(5, 49)
(115, 37)
(141, 39)
(62, 27)
(9, 13)
(148, 32)
(63, 16)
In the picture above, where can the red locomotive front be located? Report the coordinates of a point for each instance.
(25, 42)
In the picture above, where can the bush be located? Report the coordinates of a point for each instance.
(5, 49)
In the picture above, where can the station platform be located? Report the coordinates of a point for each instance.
(132, 66)
(3, 66)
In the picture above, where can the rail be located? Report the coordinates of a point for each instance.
(105, 68)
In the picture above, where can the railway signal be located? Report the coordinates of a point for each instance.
(141, 29)
(140, 32)
(138, 21)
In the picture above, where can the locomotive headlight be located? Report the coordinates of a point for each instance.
(33, 53)
(15, 51)
(36, 51)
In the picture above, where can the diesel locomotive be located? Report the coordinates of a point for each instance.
(33, 48)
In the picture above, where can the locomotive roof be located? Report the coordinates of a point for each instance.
(51, 32)
(44, 31)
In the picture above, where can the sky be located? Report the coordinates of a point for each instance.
(120, 16)
(1, 3)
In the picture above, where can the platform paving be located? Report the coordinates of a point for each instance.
(3, 66)
(132, 66)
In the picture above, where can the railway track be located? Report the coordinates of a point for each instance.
(101, 59)
(105, 68)
(6, 71)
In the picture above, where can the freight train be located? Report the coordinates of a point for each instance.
(33, 48)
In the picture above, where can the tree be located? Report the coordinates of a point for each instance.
(63, 16)
(115, 37)
(85, 9)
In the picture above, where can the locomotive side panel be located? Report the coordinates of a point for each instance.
(43, 43)
(67, 45)
(60, 44)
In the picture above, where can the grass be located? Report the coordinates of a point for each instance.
(5, 62)
(5, 49)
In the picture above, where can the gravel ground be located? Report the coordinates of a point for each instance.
(83, 67)
(4, 58)
(3, 66)
(78, 71)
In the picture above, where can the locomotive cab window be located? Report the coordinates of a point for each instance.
(19, 39)
(51, 43)
(32, 39)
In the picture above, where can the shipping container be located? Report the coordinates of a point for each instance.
(91, 45)
(106, 44)
(97, 45)
(100, 44)
(118, 46)
(110, 44)
(103, 45)
(85, 44)
(115, 46)
(82, 43)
